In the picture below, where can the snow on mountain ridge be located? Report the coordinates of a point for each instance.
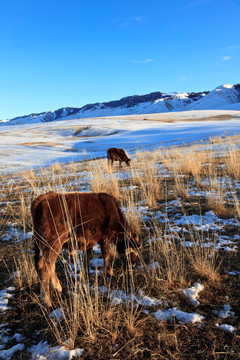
(221, 96)
(157, 102)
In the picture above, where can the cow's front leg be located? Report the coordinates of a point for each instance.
(105, 248)
(44, 270)
(86, 258)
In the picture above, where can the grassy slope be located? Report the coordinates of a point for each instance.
(165, 185)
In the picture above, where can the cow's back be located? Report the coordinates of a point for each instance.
(89, 215)
(116, 154)
(112, 208)
(121, 153)
(111, 153)
(95, 213)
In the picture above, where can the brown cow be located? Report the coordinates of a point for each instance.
(88, 218)
(114, 154)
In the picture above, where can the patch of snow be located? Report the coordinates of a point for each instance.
(4, 296)
(154, 265)
(234, 273)
(182, 316)
(42, 351)
(192, 292)
(206, 222)
(56, 315)
(102, 289)
(14, 233)
(96, 263)
(5, 338)
(227, 248)
(146, 300)
(97, 249)
(225, 312)
(7, 354)
(18, 337)
(119, 297)
(152, 240)
(227, 327)
(187, 244)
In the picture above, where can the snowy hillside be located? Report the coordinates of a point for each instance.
(225, 97)
(221, 98)
(27, 146)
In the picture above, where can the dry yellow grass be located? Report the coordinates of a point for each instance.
(233, 163)
(203, 258)
(217, 204)
(103, 180)
(41, 143)
(216, 140)
(26, 275)
(166, 264)
(147, 181)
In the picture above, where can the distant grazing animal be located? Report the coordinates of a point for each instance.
(78, 221)
(114, 154)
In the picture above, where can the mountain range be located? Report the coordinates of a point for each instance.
(226, 97)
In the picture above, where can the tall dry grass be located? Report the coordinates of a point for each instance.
(89, 310)
(86, 310)
(26, 275)
(185, 161)
(166, 263)
(232, 161)
(145, 177)
(180, 184)
(167, 258)
(102, 179)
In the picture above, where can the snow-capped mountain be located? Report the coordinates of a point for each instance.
(225, 97)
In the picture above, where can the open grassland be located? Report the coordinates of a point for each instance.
(181, 301)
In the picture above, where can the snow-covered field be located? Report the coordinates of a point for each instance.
(33, 145)
(202, 307)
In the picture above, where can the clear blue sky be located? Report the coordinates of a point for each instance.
(57, 53)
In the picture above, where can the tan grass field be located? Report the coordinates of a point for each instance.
(185, 204)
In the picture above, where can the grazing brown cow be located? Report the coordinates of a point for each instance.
(77, 221)
(114, 154)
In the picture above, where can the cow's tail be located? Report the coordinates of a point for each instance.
(36, 246)
(36, 255)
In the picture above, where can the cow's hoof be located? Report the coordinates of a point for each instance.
(48, 304)
(110, 273)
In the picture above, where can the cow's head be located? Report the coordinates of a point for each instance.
(128, 246)
(133, 248)
(128, 162)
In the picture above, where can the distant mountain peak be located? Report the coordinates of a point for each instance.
(224, 96)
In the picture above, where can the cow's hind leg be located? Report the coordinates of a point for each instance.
(53, 257)
(46, 269)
